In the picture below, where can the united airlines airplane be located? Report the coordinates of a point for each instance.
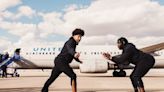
(42, 57)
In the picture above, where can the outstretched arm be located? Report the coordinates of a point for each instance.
(71, 51)
(107, 56)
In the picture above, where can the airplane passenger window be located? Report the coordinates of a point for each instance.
(27, 53)
(54, 53)
(85, 53)
(50, 53)
(59, 49)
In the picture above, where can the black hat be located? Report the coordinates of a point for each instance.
(78, 31)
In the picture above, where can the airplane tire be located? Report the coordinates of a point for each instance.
(17, 75)
(119, 73)
(122, 74)
(115, 73)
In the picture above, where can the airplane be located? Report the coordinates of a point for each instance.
(42, 57)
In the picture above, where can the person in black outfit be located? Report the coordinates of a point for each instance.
(143, 62)
(65, 57)
(1, 55)
(4, 67)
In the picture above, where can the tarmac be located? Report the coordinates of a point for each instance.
(33, 80)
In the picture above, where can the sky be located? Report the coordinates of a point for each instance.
(30, 22)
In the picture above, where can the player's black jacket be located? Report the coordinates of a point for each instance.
(67, 53)
(132, 55)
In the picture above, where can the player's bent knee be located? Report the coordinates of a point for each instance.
(73, 77)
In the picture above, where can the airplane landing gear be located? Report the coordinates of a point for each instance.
(120, 73)
(15, 74)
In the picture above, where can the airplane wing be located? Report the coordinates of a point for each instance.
(26, 64)
(153, 48)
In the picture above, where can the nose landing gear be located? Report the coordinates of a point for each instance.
(120, 73)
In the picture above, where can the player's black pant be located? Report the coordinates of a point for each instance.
(4, 69)
(57, 70)
(141, 69)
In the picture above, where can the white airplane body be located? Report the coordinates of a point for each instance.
(42, 57)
